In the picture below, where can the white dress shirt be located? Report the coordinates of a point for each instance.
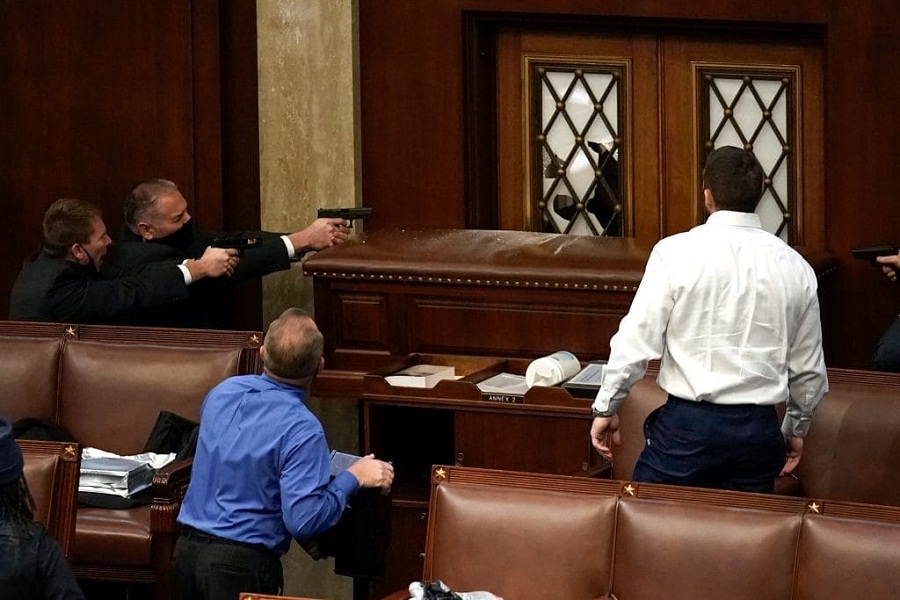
(732, 312)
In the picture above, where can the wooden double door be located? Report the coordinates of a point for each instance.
(665, 118)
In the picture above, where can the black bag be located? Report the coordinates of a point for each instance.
(360, 539)
(31, 428)
(173, 433)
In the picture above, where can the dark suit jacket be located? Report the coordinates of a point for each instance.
(210, 301)
(60, 291)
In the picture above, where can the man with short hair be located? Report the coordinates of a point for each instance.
(732, 313)
(158, 227)
(62, 283)
(261, 474)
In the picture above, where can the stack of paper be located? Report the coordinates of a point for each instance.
(421, 376)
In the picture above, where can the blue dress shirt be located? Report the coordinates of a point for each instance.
(261, 471)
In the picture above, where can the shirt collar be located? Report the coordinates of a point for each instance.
(734, 219)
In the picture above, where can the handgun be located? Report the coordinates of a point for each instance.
(870, 253)
(348, 214)
(238, 243)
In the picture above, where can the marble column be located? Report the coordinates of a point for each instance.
(309, 158)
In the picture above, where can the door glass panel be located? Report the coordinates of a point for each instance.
(753, 110)
(577, 144)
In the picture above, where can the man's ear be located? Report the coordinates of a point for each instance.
(76, 252)
(262, 353)
(709, 201)
(321, 364)
(145, 230)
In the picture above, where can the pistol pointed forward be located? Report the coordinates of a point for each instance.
(348, 214)
(870, 253)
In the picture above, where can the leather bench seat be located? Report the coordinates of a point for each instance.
(107, 385)
(537, 536)
(106, 536)
(852, 451)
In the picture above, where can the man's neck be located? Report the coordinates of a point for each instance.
(303, 383)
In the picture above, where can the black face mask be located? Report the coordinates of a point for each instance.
(181, 240)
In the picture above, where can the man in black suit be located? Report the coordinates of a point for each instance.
(62, 282)
(887, 351)
(159, 227)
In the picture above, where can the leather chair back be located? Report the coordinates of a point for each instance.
(29, 372)
(51, 472)
(113, 393)
(677, 549)
(529, 543)
(831, 543)
(852, 451)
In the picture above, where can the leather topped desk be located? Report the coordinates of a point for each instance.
(392, 293)
(476, 292)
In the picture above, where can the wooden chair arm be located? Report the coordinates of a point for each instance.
(171, 481)
(169, 486)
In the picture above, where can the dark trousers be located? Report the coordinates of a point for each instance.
(700, 444)
(887, 351)
(212, 568)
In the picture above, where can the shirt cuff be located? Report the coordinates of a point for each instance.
(794, 427)
(188, 280)
(603, 405)
(292, 252)
(346, 482)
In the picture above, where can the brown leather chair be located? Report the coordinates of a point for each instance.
(51, 471)
(106, 385)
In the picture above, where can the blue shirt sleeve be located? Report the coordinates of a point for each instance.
(311, 501)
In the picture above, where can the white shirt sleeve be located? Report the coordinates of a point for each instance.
(640, 337)
(807, 377)
(292, 252)
(188, 280)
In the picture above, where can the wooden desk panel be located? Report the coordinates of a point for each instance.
(488, 293)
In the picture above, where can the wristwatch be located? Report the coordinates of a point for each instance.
(598, 413)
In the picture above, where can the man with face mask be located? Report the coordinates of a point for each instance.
(158, 227)
(62, 283)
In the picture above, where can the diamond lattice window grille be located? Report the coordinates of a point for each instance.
(578, 112)
(755, 111)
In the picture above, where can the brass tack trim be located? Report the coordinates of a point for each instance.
(489, 282)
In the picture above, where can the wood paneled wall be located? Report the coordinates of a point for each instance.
(416, 163)
(96, 96)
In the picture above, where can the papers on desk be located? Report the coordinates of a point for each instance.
(504, 387)
(504, 383)
(587, 382)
